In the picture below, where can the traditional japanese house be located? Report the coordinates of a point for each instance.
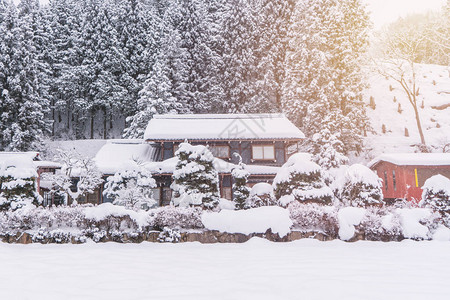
(264, 142)
(404, 174)
(31, 160)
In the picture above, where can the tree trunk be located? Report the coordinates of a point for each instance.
(104, 123)
(92, 125)
(419, 125)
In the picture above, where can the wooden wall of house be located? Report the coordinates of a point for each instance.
(244, 148)
(405, 179)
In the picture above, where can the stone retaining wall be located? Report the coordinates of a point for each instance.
(204, 237)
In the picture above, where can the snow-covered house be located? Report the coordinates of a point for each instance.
(28, 164)
(404, 174)
(262, 140)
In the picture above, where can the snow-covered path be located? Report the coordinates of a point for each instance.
(258, 269)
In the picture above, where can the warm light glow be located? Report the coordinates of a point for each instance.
(387, 11)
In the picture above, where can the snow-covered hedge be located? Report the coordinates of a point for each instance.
(109, 222)
(176, 217)
(314, 217)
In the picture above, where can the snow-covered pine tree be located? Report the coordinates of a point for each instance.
(362, 187)
(64, 22)
(237, 56)
(161, 87)
(96, 75)
(17, 184)
(23, 104)
(196, 181)
(302, 178)
(137, 23)
(323, 79)
(269, 47)
(328, 148)
(241, 191)
(131, 187)
(198, 29)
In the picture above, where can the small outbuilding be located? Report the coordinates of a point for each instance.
(404, 174)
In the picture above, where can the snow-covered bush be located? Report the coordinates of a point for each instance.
(314, 217)
(196, 181)
(362, 187)
(74, 165)
(17, 184)
(240, 189)
(436, 195)
(381, 224)
(169, 235)
(177, 217)
(302, 178)
(132, 187)
(261, 194)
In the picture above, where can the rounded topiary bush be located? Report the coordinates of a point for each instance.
(261, 194)
(303, 179)
(436, 195)
(361, 187)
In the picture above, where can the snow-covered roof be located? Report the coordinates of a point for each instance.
(413, 159)
(13, 159)
(5, 156)
(222, 127)
(116, 155)
(18, 164)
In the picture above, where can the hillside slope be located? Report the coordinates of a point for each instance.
(434, 85)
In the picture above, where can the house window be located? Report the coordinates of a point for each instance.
(263, 152)
(222, 151)
(394, 183)
(385, 181)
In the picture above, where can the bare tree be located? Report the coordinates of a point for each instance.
(400, 50)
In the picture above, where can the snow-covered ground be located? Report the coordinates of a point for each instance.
(434, 90)
(258, 269)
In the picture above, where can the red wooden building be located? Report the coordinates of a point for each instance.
(404, 174)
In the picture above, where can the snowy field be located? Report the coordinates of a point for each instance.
(258, 269)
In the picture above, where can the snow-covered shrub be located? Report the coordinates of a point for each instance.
(132, 187)
(362, 187)
(240, 189)
(57, 236)
(76, 166)
(436, 195)
(177, 217)
(261, 194)
(17, 184)
(302, 178)
(196, 181)
(381, 224)
(314, 217)
(169, 235)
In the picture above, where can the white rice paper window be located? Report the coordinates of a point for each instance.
(264, 152)
(220, 151)
(258, 152)
(269, 152)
